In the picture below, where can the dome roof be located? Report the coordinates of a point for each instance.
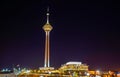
(68, 63)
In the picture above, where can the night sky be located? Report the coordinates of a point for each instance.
(83, 30)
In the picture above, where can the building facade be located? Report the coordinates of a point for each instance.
(74, 69)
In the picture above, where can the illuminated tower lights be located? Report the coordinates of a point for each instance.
(47, 28)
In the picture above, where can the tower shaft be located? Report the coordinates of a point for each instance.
(47, 49)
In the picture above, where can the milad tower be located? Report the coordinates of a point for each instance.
(47, 28)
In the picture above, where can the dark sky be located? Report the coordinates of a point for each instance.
(83, 30)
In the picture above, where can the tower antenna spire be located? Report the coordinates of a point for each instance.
(48, 15)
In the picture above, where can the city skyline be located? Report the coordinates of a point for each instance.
(83, 31)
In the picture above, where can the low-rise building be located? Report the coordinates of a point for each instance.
(74, 69)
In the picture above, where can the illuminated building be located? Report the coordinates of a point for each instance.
(73, 68)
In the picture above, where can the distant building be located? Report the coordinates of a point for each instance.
(98, 73)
